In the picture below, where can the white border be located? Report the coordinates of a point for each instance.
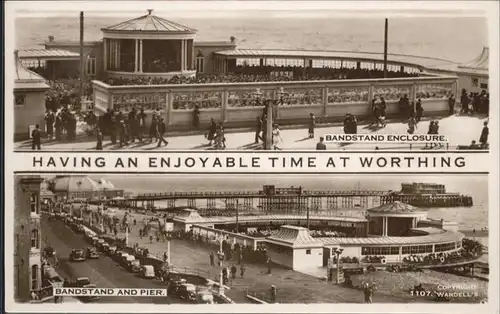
(468, 8)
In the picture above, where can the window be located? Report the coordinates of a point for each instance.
(35, 243)
(19, 99)
(200, 64)
(475, 82)
(484, 86)
(34, 277)
(308, 252)
(445, 247)
(34, 203)
(90, 66)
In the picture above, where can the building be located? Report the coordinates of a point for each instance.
(82, 187)
(29, 101)
(28, 245)
(423, 188)
(473, 75)
(293, 247)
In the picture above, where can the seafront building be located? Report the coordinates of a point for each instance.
(28, 244)
(152, 49)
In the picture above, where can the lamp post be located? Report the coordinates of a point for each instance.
(220, 255)
(338, 252)
(237, 215)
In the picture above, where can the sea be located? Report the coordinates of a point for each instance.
(459, 39)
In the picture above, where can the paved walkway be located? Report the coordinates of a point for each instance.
(461, 130)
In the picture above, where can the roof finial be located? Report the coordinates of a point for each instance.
(150, 11)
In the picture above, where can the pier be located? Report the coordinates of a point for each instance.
(289, 200)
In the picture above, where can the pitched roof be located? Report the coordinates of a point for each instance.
(48, 54)
(295, 237)
(189, 216)
(27, 80)
(395, 208)
(149, 23)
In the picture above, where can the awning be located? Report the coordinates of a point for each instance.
(48, 54)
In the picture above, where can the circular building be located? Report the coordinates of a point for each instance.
(83, 187)
(394, 219)
(148, 46)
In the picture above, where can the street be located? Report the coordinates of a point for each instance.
(103, 272)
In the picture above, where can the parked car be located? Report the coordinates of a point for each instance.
(174, 286)
(148, 271)
(84, 282)
(134, 266)
(125, 259)
(204, 297)
(187, 291)
(112, 250)
(92, 253)
(77, 255)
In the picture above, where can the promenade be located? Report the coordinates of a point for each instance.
(460, 130)
(292, 286)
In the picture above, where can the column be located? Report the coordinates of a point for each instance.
(136, 69)
(170, 100)
(183, 54)
(324, 92)
(118, 55)
(140, 54)
(105, 53)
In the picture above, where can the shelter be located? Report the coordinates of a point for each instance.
(29, 101)
(186, 219)
(148, 46)
(51, 63)
(294, 247)
(394, 219)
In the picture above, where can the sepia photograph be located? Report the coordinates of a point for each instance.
(203, 77)
(261, 239)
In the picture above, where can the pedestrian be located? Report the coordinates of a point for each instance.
(451, 105)
(212, 257)
(258, 129)
(233, 272)
(483, 139)
(142, 124)
(269, 266)
(242, 271)
(412, 125)
(165, 257)
(368, 292)
(196, 117)
(212, 130)
(419, 110)
(150, 239)
(36, 140)
(430, 130)
(277, 139)
(161, 129)
(312, 124)
(49, 122)
(152, 129)
(99, 139)
(321, 145)
(122, 135)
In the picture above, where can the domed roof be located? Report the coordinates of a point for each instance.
(105, 184)
(74, 184)
(149, 23)
(481, 62)
(395, 208)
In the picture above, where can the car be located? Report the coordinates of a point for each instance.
(92, 253)
(134, 266)
(148, 271)
(105, 247)
(187, 291)
(204, 297)
(112, 250)
(125, 259)
(52, 216)
(174, 286)
(77, 255)
(100, 243)
(81, 282)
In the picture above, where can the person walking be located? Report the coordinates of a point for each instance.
(36, 138)
(412, 125)
(312, 124)
(419, 110)
(269, 266)
(161, 129)
(368, 291)
(258, 129)
(242, 271)
(99, 139)
(483, 139)
(277, 139)
(196, 117)
(451, 105)
(233, 272)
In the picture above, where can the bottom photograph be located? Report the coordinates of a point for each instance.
(258, 239)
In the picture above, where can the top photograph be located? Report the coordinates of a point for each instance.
(161, 79)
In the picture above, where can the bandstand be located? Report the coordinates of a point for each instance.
(148, 47)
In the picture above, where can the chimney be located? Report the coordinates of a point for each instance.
(150, 11)
(51, 39)
(233, 39)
